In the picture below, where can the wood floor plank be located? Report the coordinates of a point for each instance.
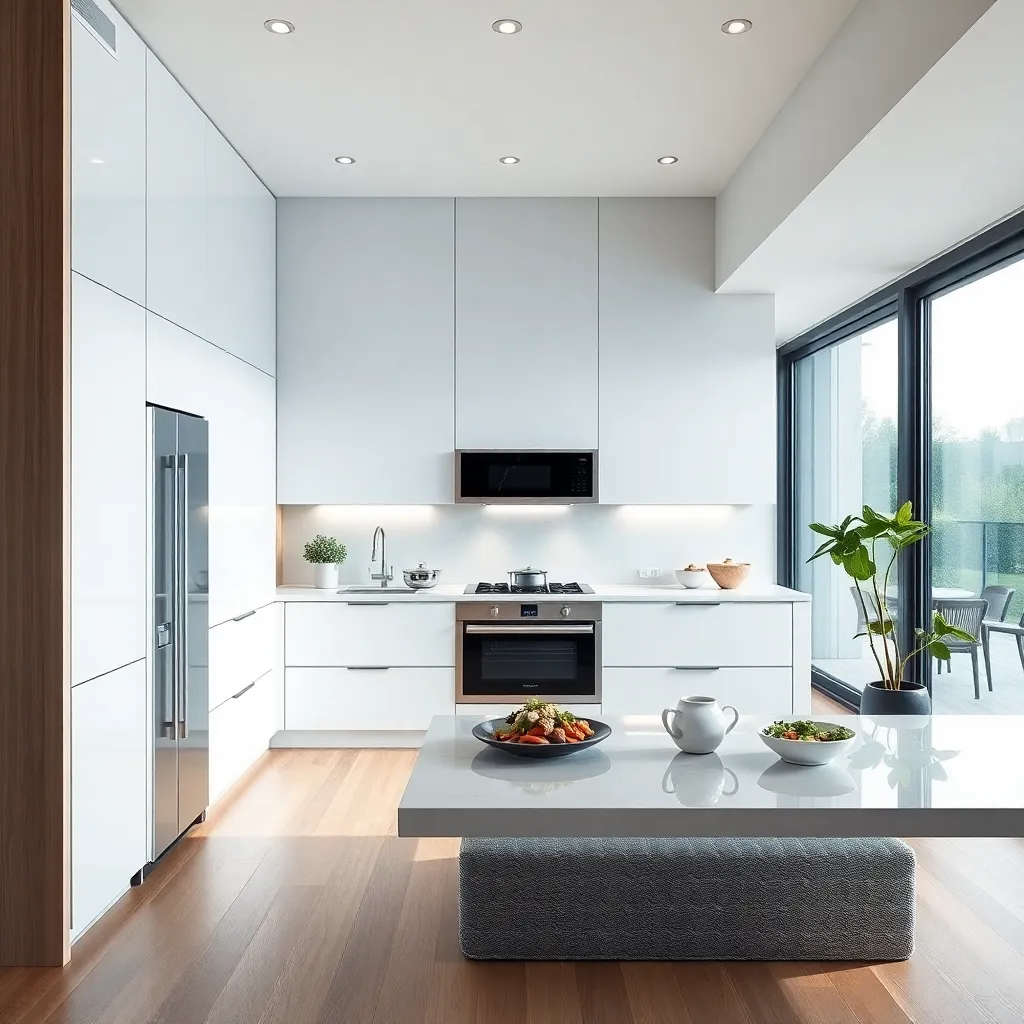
(500, 992)
(709, 995)
(551, 996)
(602, 993)
(653, 994)
(868, 999)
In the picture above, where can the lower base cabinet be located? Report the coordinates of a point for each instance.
(108, 790)
(397, 699)
(240, 731)
(645, 691)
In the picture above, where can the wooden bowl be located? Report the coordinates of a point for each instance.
(729, 575)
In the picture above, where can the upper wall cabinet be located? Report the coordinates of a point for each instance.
(108, 158)
(365, 361)
(175, 202)
(108, 480)
(687, 392)
(240, 265)
(526, 323)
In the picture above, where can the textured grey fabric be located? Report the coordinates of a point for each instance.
(686, 899)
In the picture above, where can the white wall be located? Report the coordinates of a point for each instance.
(585, 543)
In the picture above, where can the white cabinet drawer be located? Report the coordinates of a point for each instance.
(504, 710)
(695, 635)
(393, 699)
(645, 691)
(240, 731)
(368, 634)
(241, 650)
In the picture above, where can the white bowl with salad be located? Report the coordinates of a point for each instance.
(801, 741)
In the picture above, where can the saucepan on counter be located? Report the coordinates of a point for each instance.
(421, 578)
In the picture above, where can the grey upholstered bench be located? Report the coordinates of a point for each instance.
(686, 899)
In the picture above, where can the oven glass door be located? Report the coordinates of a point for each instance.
(526, 476)
(528, 660)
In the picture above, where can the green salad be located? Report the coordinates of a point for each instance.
(808, 732)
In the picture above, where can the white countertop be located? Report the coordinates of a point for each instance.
(943, 775)
(609, 592)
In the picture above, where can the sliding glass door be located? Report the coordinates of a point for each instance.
(845, 426)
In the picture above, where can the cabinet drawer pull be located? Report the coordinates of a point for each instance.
(367, 604)
(698, 604)
(244, 615)
(367, 668)
(244, 689)
(697, 668)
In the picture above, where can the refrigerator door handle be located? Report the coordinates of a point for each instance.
(182, 659)
(167, 633)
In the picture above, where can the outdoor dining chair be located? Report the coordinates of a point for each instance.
(999, 599)
(968, 616)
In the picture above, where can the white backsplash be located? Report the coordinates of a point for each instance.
(585, 543)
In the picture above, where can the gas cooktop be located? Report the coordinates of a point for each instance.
(551, 588)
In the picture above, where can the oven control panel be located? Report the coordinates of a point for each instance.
(539, 611)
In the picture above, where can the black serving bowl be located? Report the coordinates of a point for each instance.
(484, 732)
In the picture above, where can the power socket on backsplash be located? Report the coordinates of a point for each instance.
(649, 574)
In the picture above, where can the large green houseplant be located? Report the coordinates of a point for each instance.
(854, 545)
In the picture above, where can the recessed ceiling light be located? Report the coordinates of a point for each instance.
(344, 159)
(507, 27)
(278, 27)
(508, 159)
(668, 159)
(95, 160)
(736, 26)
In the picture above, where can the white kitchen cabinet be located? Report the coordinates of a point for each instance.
(242, 522)
(108, 158)
(695, 635)
(108, 789)
(108, 480)
(526, 307)
(240, 730)
(175, 202)
(241, 268)
(341, 699)
(687, 382)
(367, 634)
(242, 650)
(176, 367)
(645, 691)
(365, 362)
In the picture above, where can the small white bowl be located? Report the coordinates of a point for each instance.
(809, 752)
(692, 579)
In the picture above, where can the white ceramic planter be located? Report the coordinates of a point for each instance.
(325, 575)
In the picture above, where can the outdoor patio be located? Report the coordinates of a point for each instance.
(953, 693)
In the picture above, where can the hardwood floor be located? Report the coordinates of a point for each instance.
(296, 903)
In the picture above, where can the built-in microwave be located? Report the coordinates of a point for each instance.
(521, 477)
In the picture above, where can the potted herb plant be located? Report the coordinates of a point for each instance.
(853, 545)
(326, 554)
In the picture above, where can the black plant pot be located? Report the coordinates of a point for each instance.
(910, 699)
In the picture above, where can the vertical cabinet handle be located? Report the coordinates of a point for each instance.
(183, 570)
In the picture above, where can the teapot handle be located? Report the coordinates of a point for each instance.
(664, 719)
(735, 717)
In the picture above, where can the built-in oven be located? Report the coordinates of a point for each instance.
(507, 651)
(521, 477)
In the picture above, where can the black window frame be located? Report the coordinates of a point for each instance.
(908, 300)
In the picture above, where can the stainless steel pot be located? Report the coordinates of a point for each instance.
(528, 577)
(421, 578)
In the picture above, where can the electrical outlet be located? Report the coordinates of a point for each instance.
(649, 574)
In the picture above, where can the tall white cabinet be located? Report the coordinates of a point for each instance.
(173, 303)
(526, 343)
(108, 158)
(687, 382)
(365, 371)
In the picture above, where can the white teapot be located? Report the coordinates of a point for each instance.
(697, 724)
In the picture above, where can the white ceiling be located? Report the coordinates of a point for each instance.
(427, 97)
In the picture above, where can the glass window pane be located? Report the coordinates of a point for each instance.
(977, 369)
(846, 401)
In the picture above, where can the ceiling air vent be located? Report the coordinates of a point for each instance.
(92, 17)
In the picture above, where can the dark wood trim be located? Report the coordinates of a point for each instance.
(34, 471)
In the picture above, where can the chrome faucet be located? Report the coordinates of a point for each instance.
(384, 576)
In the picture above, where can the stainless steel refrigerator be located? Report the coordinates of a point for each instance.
(179, 647)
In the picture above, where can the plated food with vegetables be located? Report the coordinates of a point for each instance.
(801, 741)
(541, 729)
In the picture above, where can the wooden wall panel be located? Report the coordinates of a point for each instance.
(34, 678)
